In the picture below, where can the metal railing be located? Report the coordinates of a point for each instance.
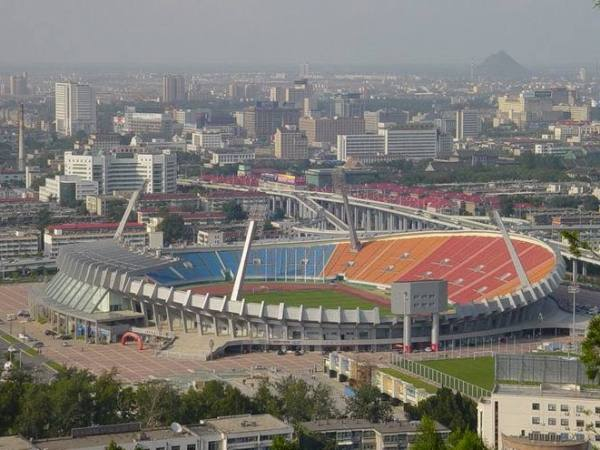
(439, 378)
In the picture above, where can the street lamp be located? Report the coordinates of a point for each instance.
(573, 289)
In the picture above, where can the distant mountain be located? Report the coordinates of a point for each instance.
(501, 66)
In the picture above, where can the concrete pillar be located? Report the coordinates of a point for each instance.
(215, 326)
(169, 319)
(184, 321)
(584, 269)
(435, 331)
(407, 333)
(156, 318)
(199, 324)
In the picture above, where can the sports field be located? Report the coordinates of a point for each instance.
(477, 371)
(416, 382)
(328, 298)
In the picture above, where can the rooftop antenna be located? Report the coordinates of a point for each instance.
(21, 156)
(132, 201)
(339, 187)
(256, 221)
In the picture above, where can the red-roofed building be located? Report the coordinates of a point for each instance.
(57, 236)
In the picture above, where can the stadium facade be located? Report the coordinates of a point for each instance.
(102, 289)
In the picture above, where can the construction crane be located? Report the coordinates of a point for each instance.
(339, 187)
(132, 201)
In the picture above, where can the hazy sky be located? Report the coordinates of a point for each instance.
(286, 31)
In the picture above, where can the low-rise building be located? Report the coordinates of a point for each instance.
(57, 236)
(17, 244)
(232, 155)
(542, 417)
(214, 200)
(66, 189)
(362, 434)
(290, 144)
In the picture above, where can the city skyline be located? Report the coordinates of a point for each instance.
(263, 32)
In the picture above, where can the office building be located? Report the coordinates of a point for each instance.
(210, 139)
(277, 94)
(57, 236)
(296, 94)
(144, 123)
(362, 434)
(233, 155)
(290, 143)
(374, 118)
(99, 142)
(173, 89)
(18, 85)
(412, 141)
(348, 105)
(75, 108)
(262, 120)
(468, 124)
(541, 417)
(365, 148)
(67, 189)
(325, 130)
(125, 169)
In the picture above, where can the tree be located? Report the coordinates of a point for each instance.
(264, 400)
(507, 208)
(233, 211)
(279, 443)
(70, 400)
(368, 403)
(322, 402)
(33, 418)
(428, 438)
(590, 203)
(112, 403)
(114, 446)
(172, 227)
(294, 399)
(451, 410)
(43, 219)
(157, 403)
(468, 440)
(590, 349)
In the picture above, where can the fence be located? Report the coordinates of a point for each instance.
(440, 378)
(541, 369)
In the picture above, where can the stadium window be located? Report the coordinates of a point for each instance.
(564, 422)
(564, 408)
(579, 423)
(535, 406)
(535, 420)
(551, 407)
(191, 447)
(551, 421)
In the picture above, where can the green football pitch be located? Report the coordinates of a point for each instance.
(328, 298)
(478, 371)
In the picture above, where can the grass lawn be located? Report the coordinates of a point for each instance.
(328, 298)
(416, 382)
(477, 371)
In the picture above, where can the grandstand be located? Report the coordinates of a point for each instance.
(477, 265)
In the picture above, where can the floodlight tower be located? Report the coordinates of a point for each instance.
(339, 186)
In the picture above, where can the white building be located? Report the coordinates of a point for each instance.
(133, 122)
(75, 108)
(468, 124)
(361, 147)
(519, 416)
(125, 169)
(231, 156)
(209, 139)
(67, 188)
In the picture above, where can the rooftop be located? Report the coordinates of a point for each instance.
(246, 422)
(92, 226)
(548, 390)
(363, 424)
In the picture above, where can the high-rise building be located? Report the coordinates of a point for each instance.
(277, 94)
(296, 94)
(145, 123)
(173, 89)
(125, 169)
(348, 105)
(263, 119)
(75, 108)
(468, 124)
(18, 85)
(325, 130)
(361, 147)
(290, 143)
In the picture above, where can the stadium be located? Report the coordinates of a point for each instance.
(496, 285)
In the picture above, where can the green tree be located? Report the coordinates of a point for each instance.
(172, 227)
(114, 446)
(468, 440)
(43, 219)
(428, 438)
(33, 418)
(70, 400)
(590, 349)
(368, 403)
(451, 410)
(233, 211)
(322, 402)
(11, 394)
(507, 208)
(112, 403)
(157, 403)
(294, 398)
(264, 400)
(279, 443)
(590, 203)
